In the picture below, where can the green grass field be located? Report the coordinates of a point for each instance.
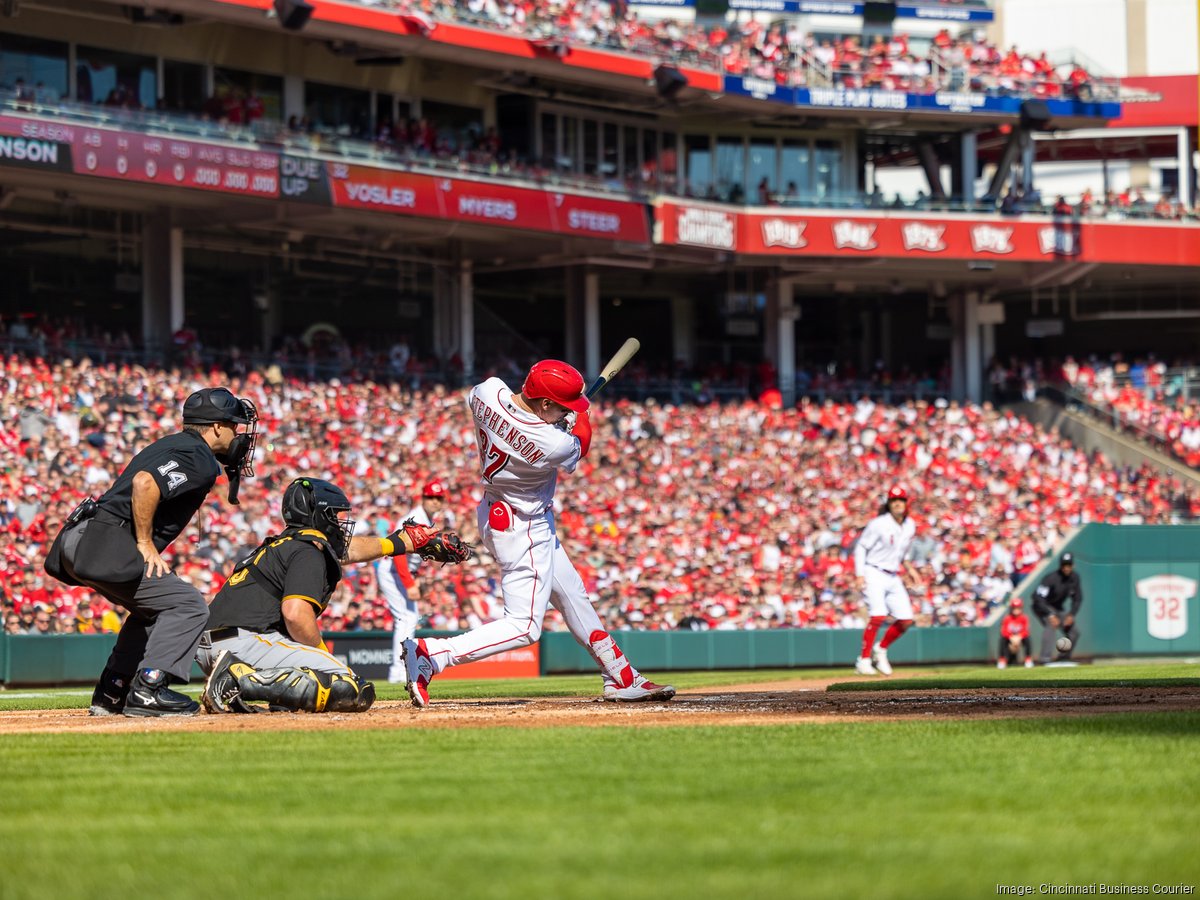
(916, 808)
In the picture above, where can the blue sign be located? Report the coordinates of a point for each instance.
(947, 12)
(892, 101)
(661, 2)
(940, 11)
(813, 7)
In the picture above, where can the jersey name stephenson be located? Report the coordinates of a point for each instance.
(519, 454)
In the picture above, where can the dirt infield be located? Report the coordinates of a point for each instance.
(787, 702)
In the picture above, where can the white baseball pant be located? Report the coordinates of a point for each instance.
(535, 572)
(886, 595)
(404, 611)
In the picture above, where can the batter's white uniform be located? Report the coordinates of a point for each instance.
(520, 457)
(405, 616)
(878, 558)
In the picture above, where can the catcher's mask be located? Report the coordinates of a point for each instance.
(315, 503)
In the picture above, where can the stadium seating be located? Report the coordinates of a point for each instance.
(698, 516)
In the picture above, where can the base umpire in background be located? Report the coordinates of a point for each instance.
(113, 546)
(1056, 603)
(262, 640)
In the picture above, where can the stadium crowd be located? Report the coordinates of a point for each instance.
(1144, 396)
(695, 516)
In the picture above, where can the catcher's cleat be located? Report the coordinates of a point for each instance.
(864, 667)
(221, 691)
(150, 697)
(641, 691)
(418, 671)
(880, 660)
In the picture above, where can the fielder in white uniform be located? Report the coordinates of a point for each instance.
(879, 558)
(397, 576)
(523, 444)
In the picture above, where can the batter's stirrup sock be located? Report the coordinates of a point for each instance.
(896, 629)
(612, 661)
(872, 629)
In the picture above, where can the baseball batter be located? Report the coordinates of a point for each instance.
(525, 439)
(397, 575)
(879, 558)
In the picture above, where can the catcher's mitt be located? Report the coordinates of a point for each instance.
(440, 546)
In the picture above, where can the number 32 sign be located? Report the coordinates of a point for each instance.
(1166, 599)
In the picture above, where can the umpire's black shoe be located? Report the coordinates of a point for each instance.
(108, 699)
(150, 696)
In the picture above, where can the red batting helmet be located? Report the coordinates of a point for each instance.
(554, 380)
(434, 488)
(897, 492)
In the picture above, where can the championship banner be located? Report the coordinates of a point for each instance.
(778, 231)
(147, 158)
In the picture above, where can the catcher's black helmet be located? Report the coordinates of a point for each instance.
(316, 503)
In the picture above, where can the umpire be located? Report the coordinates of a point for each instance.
(113, 546)
(1056, 603)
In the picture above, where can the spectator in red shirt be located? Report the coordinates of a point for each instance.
(1014, 636)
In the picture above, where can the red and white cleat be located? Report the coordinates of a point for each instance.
(418, 669)
(642, 690)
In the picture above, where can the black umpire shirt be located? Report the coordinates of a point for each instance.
(1056, 589)
(296, 564)
(184, 468)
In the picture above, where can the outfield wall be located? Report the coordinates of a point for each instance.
(1140, 590)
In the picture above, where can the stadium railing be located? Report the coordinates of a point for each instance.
(342, 148)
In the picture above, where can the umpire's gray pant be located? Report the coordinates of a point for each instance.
(267, 650)
(166, 618)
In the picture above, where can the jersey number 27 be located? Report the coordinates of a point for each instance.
(491, 457)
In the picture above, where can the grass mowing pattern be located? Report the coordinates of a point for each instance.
(881, 810)
(1137, 675)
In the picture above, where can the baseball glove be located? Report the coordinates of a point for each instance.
(439, 546)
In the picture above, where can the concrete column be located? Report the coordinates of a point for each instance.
(969, 168)
(958, 344)
(1185, 169)
(445, 313)
(885, 338)
(175, 249)
(573, 314)
(591, 323)
(466, 319)
(1028, 155)
(683, 329)
(785, 363)
(866, 346)
(293, 97)
(966, 348)
(163, 311)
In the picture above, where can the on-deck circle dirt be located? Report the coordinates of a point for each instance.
(798, 701)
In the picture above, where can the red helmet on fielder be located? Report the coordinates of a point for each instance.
(553, 379)
(897, 492)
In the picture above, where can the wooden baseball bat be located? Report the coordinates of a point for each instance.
(614, 365)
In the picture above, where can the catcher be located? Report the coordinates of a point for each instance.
(263, 642)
